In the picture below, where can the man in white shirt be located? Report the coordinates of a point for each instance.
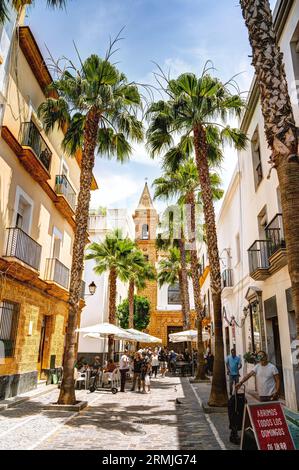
(267, 378)
(124, 364)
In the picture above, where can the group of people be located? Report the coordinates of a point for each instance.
(267, 383)
(144, 365)
(266, 374)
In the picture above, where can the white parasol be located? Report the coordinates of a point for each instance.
(102, 330)
(143, 337)
(187, 336)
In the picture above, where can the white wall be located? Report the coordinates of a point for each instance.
(97, 306)
(239, 215)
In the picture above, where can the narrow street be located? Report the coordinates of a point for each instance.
(169, 418)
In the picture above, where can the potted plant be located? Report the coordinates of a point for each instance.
(250, 357)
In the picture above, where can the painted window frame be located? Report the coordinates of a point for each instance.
(21, 193)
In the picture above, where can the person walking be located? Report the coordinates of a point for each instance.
(124, 365)
(267, 378)
(145, 372)
(233, 364)
(155, 363)
(137, 364)
(163, 362)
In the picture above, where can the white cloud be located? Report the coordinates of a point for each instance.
(141, 155)
(114, 190)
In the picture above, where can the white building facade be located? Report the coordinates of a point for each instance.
(256, 296)
(97, 305)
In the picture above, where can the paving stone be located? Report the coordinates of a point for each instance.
(154, 421)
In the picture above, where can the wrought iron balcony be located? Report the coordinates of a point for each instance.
(227, 278)
(31, 137)
(64, 188)
(57, 272)
(258, 255)
(275, 234)
(24, 248)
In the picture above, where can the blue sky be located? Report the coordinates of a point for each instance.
(179, 35)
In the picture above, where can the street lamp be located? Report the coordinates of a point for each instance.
(92, 288)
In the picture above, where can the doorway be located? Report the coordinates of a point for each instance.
(42, 344)
(179, 348)
(227, 342)
(278, 358)
(273, 338)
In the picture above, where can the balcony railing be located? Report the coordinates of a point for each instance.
(83, 286)
(21, 246)
(57, 272)
(258, 255)
(63, 187)
(227, 278)
(31, 137)
(275, 234)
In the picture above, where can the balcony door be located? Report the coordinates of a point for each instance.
(23, 211)
(56, 243)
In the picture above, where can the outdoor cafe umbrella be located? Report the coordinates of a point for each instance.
(187, 336)
(103, 330)
(143, 337)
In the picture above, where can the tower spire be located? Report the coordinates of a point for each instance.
(145, 201)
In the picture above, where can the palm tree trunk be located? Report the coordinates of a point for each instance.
(280, 129)
(67, 390)
(131, 303)
(200, 373)
(112, 308)
(218, 396)
(185, 300)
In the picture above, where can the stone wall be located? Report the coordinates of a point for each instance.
(23, 368)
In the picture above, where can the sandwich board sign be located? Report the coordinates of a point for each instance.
(265, 428)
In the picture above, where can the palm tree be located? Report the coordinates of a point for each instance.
(170, 272)
(280, 127)
(18, 4)
(183, 183)
(96, 107)
(197, 109)
(111, 256)
(171, 238)
(136, 270)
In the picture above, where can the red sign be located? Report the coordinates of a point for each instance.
(270, 426)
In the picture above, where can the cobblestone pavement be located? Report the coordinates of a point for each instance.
(169, 418)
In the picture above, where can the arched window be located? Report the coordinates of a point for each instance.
(145, 234)
(174, 295)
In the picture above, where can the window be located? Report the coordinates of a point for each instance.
(9, 314)
(256, 159)
(23, 211)
(262, 220)
(145, 234)
(174, 295)
(255, 327)
(64, 169)
(56, 243)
